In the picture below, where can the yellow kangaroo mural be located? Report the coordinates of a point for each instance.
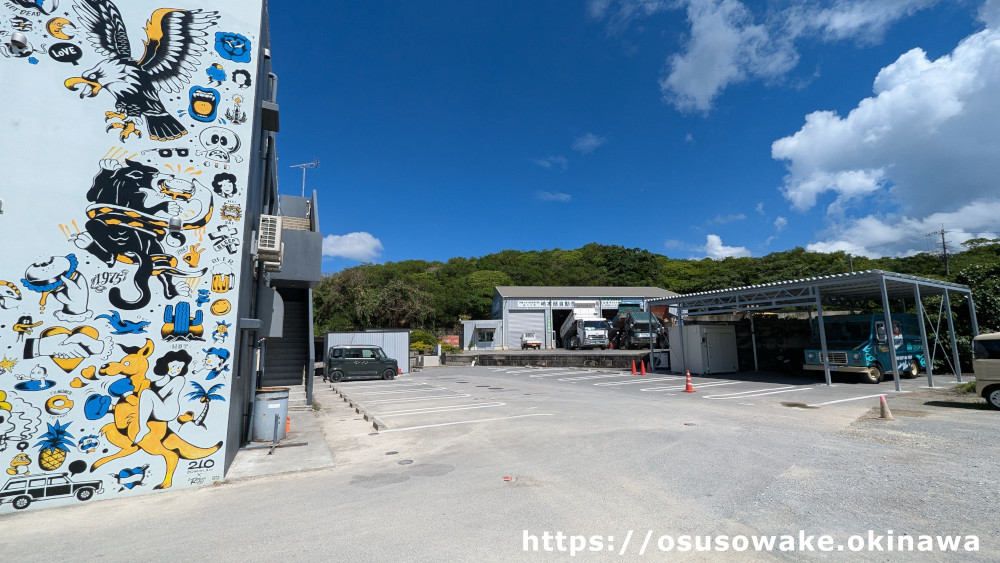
(160, 440)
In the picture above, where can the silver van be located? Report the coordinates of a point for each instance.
(986, 364)
(346, 361)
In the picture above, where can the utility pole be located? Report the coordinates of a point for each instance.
(944, 249)
(313, 164)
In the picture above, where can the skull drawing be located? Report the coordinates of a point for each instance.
(220, 144)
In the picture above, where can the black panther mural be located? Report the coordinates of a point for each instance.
(129, 221)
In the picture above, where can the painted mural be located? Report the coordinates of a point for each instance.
(125, 163)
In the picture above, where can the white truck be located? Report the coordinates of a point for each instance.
(584, 328)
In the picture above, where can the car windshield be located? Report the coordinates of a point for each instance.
(528, 335)
(595, 324)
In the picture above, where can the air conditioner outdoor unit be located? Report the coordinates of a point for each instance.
(269, 236)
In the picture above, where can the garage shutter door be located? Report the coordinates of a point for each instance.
(524, 321)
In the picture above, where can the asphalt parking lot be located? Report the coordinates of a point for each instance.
(469, 395)
(480, 463)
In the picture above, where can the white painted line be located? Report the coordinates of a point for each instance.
(393, 383)
(639, 380)
(750, 391)
(844, 400)
(681, 387)
(602, 376)
(554, 374)
(401, 391)
(429, 410)
(410, 400)
(535, 369)
(758, 394)
(462, 422)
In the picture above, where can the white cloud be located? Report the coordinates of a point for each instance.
(865, 20)
(553, 196)
(923, 145)
(780, 223)
(723, 219)
(716, 250)
(760, 208)
(903, 236)
(673, 244)
(588, 143)
(360, 246)
(725, 47)
(551, 162)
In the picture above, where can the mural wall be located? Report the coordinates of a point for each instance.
(125, 157)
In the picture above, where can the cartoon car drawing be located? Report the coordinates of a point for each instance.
(23, 491)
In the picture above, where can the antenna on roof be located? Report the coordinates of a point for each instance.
(303, 166)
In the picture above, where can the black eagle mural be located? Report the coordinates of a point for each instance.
(174, 41)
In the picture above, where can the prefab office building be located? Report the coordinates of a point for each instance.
(542, 309)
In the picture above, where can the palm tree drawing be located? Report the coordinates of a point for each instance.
(200, 394)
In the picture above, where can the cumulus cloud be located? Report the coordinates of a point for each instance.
(716, 250)
(923, 146)
(780, 223)
(903, 236)
(553, 196)
(360, 246)
(727, 44)
(588, 143)
(552, 162)
(725, 47)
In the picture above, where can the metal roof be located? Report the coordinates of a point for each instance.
(596, 292)
(837, 289)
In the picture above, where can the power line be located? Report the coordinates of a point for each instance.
(303, 166)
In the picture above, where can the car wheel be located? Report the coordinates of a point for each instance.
(913, 371)
(22, 502)
(873, 375)
(336, 376)
(388, 374)
(85, 494)
(992, 396)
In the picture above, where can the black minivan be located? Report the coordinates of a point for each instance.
(359, 360)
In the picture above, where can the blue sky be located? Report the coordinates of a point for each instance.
(690, 128)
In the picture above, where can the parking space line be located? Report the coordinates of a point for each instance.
(394, 384)
(431, 410)
(750, 391)
(533, 369)
(599, 376)
(463, 422)
(554, 374)
(717, 397)
(413, 399)
(679, 387)
(638, 380)
(401, 391)
(845, 400)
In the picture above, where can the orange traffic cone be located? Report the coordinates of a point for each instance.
(884, 413)
(642, 364)
(633, 367)
(687, 386)
(399, 370)
(288, 424)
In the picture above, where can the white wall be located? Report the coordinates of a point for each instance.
(96, 293)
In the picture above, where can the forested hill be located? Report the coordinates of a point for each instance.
(435, 295)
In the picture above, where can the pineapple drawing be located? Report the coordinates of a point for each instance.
(54, 446)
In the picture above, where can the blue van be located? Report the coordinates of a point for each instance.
(860, 344)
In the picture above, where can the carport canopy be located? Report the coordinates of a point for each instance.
(839, 290)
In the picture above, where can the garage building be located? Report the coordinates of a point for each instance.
(542, 309)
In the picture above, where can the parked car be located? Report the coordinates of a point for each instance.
(22, 491)
(346, 361)
(531, 340)
(986, 364)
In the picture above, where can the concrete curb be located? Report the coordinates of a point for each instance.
(376, 423)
